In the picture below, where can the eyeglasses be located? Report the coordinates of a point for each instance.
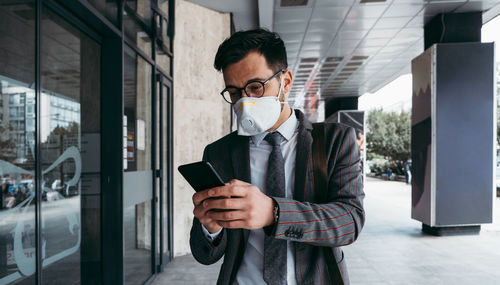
(253, 88)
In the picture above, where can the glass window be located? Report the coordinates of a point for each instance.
(17, 165)
(138, 176)
(141, 8)
(70, 153)
(135, 33)
(108, 8)
(163, 61)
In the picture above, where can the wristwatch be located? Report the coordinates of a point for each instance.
(276, 212)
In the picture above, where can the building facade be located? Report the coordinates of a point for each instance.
(93, 124)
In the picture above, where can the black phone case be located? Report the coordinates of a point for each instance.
(201, 175)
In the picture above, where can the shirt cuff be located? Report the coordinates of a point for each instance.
(210, 237)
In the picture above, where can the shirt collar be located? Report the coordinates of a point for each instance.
(287, 129)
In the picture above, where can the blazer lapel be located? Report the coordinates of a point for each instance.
(303, 158)
(240, 157)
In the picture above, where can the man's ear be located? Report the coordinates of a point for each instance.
(287, 81)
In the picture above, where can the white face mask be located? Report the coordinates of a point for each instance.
(257, 115)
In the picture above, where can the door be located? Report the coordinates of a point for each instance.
(50, 147)
(163, 181)
(138, 168)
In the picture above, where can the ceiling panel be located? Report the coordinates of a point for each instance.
(351, 35)
(357, 47)
(404, 10)
(292, 15)
(335, 3)
(356, 24)
(435, 8)
(472, 6)
(382, 33)
(330, 13)
(292, 27)
(367, 11)
(319, 36)
(392, 22)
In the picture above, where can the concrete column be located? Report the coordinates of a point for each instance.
(201, 116)
(453, 28)
(453, 127)
(338, 104)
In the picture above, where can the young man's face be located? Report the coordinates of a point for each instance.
(254, 67)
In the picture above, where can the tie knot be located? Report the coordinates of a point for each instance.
(274, 138)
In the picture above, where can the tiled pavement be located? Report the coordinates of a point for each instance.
(392, 249)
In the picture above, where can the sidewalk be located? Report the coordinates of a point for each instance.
(391, 248)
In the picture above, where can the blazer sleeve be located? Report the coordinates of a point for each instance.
(339, 221)
(204, 250)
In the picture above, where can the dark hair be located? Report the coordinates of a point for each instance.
(240, 44)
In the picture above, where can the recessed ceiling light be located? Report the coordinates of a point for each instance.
(371, 1)
(334, 59)
(293, 3)
(354, 63)
(330, 65)
(359, 57)
(327, 69)
(309, 59)
(349, 69)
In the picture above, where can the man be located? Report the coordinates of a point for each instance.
(267, 221)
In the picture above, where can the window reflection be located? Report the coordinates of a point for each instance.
(137, 185)
(17, 140)
(69, 151)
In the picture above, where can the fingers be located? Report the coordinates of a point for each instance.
(235, 188)
(226, 216)
(199, 211)
(237, 224)
(198, 197)
(226, 204)
(236, 182)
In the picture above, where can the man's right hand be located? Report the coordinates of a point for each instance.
(200, 212)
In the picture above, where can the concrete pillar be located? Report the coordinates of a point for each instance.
(337, 104)
(453, 127)
(453, 28)
(201, 116)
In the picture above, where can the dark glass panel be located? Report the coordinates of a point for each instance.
(138, 175)
(70, 153)
(136, 33)
(108, 8)
(17, 142)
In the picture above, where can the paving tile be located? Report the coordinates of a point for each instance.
(391, 249)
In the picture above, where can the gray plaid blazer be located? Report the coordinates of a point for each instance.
(309, 223)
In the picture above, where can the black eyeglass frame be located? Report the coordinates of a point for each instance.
(248, 83)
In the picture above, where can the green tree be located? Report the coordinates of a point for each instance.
(389, 136)
(7, 145)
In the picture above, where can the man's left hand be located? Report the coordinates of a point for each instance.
(247, 207)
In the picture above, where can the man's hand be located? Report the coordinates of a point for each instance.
(201, 212)
(246, 207)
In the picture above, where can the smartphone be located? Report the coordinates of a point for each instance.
(201, 175)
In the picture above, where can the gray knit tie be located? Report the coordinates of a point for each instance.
(275, 249)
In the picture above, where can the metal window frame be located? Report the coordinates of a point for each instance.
(112, 39)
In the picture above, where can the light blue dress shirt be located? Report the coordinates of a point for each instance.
(251, 268)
